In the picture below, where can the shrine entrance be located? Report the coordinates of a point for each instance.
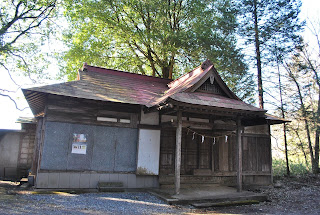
(196, 152)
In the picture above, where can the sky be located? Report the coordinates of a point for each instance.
(9, 114)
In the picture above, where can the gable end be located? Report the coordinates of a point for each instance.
(209, 87)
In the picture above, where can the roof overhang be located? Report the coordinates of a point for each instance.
(273, 120)
(36, 101)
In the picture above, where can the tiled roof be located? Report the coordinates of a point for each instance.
(109, 85)
(117, 86)
(207, 99)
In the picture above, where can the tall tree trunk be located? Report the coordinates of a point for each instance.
(286, 147)
(283, 116)
(258, 57)
(165, 71)
(315, 166)
(302, 148)
(316, 142)
(171, 64)
(306, 123)
(150, 58)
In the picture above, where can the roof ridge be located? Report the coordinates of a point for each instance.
(170, 84)
(46, 85)
(123, 73)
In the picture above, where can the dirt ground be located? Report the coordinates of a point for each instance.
(295, 195)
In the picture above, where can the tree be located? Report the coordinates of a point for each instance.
(303, 72)
(266, 21)
(160, 38)
(282, 109)
(20, 32)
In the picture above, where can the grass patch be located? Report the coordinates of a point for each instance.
(296, 168)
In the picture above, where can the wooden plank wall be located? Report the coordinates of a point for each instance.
(72, 110)
(256, 154)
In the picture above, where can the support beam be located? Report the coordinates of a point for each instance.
(178, 153)
(202, 125)
(239, 156)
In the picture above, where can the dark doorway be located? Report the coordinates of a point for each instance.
(196, 155)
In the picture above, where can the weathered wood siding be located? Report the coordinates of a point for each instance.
(219, 157)
(72, 110)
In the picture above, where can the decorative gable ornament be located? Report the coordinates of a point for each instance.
(211, 78)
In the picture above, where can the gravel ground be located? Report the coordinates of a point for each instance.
(293, 196)
(88, 203)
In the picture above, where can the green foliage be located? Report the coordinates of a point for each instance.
(278, 24)
(270, 30)
(24, 27)
(296, 167)
(155, 38)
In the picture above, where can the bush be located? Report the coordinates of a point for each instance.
(296, 168)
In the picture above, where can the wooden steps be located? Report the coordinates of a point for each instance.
(229, 201)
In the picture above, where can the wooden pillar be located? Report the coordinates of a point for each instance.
(178, 153)
(239, 156)
(271, 172)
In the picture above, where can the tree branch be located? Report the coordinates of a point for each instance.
(9, 74)
(5, 95)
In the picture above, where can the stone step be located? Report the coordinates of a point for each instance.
(110, 187)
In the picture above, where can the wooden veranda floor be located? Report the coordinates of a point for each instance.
(208, 195)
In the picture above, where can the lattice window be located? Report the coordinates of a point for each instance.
(210, 88)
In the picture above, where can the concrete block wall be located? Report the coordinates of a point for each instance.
(90, 180)
(9, 151)
(26, 150)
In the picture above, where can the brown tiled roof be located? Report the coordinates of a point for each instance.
(117, 86)
(207, 99)
(109, 85)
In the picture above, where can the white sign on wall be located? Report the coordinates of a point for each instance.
(79, 145)
(79, 148)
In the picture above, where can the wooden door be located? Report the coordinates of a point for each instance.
(205, 153)
(198, 154)
(191, 153)
(195, 154)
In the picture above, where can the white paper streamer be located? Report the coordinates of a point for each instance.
(226, 138)
(202, 138)
(214, 141)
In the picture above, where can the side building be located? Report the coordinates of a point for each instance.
(17, 150)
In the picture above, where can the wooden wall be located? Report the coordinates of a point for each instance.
(107, 142)
(84, 111)
(220, 158)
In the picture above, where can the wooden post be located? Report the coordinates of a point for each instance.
(239, 156)
(271, 172)
(178, 153)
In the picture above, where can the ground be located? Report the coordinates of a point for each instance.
(296, 195)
